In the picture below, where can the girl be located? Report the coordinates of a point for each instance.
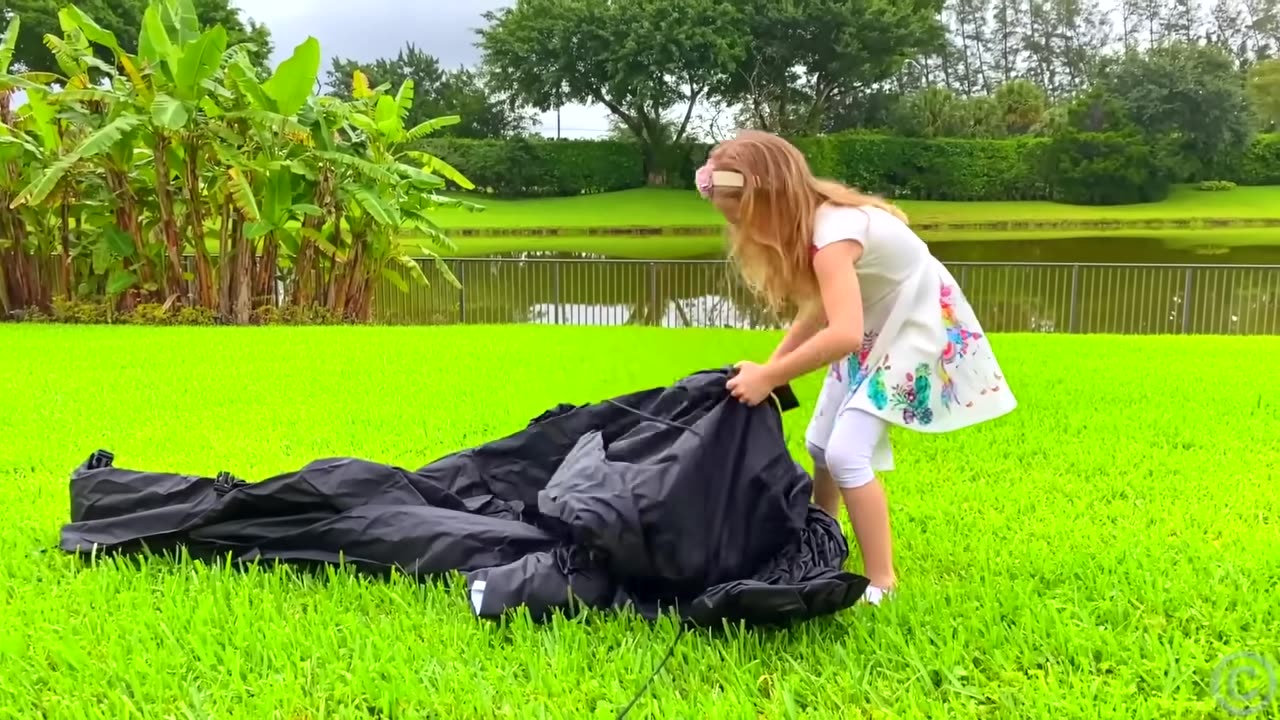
(901, 343)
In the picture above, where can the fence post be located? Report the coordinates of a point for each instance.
(555, 281)
(1186, 300)
(1073, 321)
(653, 293)
(462, 290)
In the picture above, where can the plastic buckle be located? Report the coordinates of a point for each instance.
(226, 482)
(100, 459)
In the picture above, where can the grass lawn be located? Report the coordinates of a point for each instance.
(1092, 555)
(684, 208)
(669, 247)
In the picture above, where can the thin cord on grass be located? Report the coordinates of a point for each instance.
(654, 418)
(671, 649)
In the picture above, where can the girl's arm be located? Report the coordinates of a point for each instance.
(808, 321)
(842, 305)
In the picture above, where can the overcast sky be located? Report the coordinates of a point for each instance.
(370, 29)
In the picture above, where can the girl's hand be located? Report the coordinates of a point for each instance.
(753, 383)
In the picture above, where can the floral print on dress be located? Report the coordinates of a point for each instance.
(913, 394)
(876, 391)
(856, 368)
(959, 338)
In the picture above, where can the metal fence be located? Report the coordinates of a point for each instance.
(1008, 297)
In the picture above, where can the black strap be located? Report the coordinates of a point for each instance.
(785, 396)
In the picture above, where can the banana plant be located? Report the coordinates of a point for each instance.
(260, 142)
(381, 194)
(123, 168)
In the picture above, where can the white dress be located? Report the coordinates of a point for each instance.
(925, 363)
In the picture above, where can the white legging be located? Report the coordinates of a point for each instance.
(849, 450)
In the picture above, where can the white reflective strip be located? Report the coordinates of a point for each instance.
(477, 595)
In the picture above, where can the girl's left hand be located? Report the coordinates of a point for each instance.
(752, 384)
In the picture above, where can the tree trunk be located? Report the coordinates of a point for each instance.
(243, 280)
(655, 172)
(340, 291)
(226, 260)
(127, 220)
(264, 282)
(195, 222)
(304, 273)
(174, 282)
(14, 266)
(68, 279)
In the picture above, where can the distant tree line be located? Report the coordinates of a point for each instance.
(1134, 97)
(1180, 87)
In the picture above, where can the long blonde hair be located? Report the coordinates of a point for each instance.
(770, 242)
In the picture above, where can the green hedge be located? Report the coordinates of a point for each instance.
(898, 167)
(533, 167)
(950, 169)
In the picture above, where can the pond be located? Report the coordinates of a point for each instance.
(1245, 246)
(1188, 282)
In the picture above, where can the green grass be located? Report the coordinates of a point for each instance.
(684, 208)
(1092, 555)
(669, 247)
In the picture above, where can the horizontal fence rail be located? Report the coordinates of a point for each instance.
(1008, 297)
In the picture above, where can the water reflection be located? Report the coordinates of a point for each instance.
(1059, 285)
(1238, 247)
(706, 311)
(1009, 298)
(1243, 246)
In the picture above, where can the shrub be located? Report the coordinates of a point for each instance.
(1105, 168)
(1216, 185)
(295, 315)
(1261, 164)
(83, 312)
(76, 312)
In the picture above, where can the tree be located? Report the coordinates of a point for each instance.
(123, 19)
(408, 64)
(1022, 105)
(639, 58)
(460, 92)
(1264, 93)
(805, 56)
(1189, 93)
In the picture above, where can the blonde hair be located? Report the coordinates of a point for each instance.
(770, 242)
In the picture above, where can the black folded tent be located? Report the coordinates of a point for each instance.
(673, 498)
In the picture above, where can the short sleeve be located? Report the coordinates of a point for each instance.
(836, 223)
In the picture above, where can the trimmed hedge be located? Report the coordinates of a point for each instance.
(1028, 168)
(533, 167)
(920, 169)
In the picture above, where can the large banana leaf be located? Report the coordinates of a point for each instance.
(295, 79)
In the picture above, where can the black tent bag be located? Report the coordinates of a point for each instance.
(673, 498)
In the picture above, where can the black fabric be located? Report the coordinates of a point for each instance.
(674, 498)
